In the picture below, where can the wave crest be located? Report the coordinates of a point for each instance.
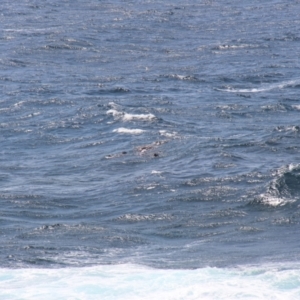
(284, 188)
(130, 117)
(263, 88)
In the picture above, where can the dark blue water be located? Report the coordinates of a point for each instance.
(161, 133)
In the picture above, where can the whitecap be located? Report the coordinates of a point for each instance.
(156, 172)
(150, 187)
(144, 217)
(270, 200)
(128, 131)
(182, 77)
(281, 190)
(263, 88)
(228, 47)
(168, 134)
(114, 113)
(130, 117)
(113, 105)
(143, 117)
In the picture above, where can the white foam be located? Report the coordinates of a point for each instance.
(128, 131)
(113, 105)
(241, 46)
(19, 103)
(143, 117)
(130, 117)
(168, 134)
(136, 282)
(113, 112)
(182, 77)
(273, 200)
(263, 88)
(273, 196)
(177, 76)
(156, 172)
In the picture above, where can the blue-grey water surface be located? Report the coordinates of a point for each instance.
(163, 133)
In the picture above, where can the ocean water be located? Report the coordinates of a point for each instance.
(149, 149)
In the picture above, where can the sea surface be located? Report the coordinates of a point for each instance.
(149, 149)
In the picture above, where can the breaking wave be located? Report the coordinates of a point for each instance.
(138, 282)
(284, 188)
(128, 131)
(130, 117)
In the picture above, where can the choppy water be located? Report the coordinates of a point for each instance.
(158, 133)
